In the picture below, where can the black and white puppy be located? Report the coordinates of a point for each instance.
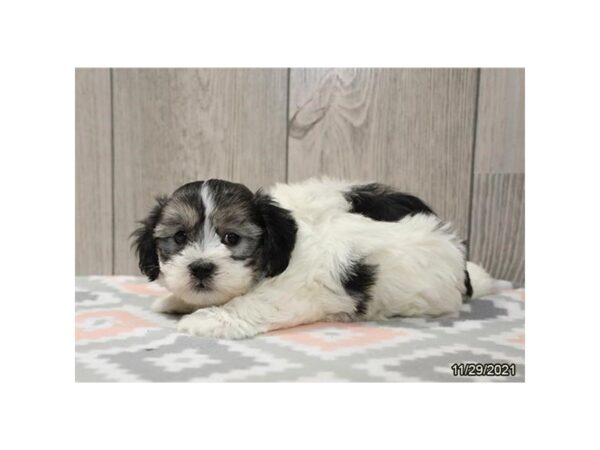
(239, 263)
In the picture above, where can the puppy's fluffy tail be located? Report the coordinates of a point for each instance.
(481, 281)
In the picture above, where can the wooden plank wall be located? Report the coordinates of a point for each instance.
(412, 129)
(179, 125)
(498, 212)
(93, 173)
(452, 136)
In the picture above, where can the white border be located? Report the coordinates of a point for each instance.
(44, 41)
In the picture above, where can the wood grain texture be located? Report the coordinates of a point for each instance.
(498, 213)
(501, 122)
(93, 173)
(498, 225)
(411, 128)
(172, 126)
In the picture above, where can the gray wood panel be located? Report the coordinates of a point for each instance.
(411, 128)
(498, 228)
(501, 122)
(93, 173)
(498, 213)
(172, 126)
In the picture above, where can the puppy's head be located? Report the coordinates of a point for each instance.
(211, 241)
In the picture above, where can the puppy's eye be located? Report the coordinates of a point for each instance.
(231, 239)
(180, 237)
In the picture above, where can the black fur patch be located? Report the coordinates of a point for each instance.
(357, 280)
(279, 236)
(380, 202)
(468, 285)
(145, 244)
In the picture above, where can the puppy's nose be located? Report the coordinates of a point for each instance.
(201, 269)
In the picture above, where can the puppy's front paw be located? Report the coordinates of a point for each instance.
(214, 322)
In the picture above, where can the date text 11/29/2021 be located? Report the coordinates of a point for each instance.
(483, 370)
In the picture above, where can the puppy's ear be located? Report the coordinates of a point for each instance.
(145, 244)
(279, 235)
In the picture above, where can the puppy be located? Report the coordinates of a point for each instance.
(239, 264)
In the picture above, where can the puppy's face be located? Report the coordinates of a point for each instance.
(212, 241)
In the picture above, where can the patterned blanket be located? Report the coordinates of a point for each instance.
(118, 338)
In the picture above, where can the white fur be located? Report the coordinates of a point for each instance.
(420, 269)
(233, 278)
(480, 280)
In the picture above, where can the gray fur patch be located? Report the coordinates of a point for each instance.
(233, 211)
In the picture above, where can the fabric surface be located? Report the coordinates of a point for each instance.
(118, 338)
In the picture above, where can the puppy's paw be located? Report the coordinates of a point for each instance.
(214, 322)
(171, 304)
